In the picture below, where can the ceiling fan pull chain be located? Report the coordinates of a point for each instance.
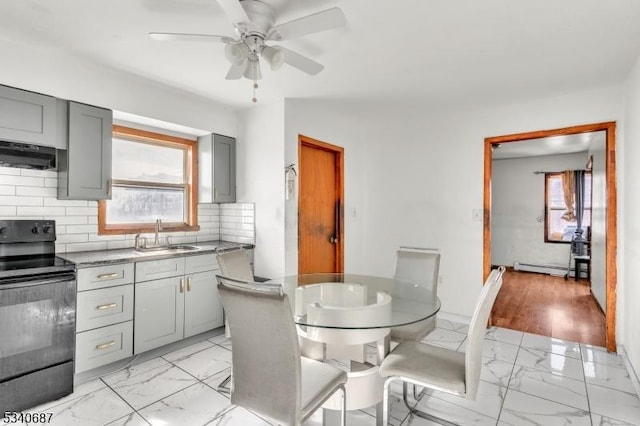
(255, 86)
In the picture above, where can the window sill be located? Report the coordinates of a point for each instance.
(145, 229)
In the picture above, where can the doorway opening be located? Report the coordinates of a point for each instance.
(604, 231)
(320, 205)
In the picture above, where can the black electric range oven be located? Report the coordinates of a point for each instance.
(37, 316)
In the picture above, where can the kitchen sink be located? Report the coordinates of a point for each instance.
(166, 249)
(186, 247)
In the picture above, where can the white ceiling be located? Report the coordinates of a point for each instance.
(439, 53)
(565, 144)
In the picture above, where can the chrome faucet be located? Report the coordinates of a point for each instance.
(158, 229)
(141, 242)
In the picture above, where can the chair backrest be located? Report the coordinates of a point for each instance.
(418, 265)
(235, 264)
(266, 355)
(477, 329)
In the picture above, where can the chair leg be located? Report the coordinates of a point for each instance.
(385, 400)
(224, 385)
(343, 414)
(420, 413)
(417, 395)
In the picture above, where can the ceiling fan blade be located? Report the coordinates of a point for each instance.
(301, 62)
(234, 10)
(315, 23)
(190, 37)
(236, 71)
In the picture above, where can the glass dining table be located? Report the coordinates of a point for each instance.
(408, 302)
(346, 319)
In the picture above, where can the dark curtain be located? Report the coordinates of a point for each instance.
(579, 239)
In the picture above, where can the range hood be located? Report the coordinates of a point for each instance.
(27, 156)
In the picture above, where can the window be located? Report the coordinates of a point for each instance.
(556, 229)
(153, 177)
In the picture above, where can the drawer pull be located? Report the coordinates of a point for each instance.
(107, 306)
(106, 345)
(189, 284)
(108, 276)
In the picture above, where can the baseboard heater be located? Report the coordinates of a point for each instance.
(556, 270)
(540, 268)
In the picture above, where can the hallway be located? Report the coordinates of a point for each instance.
(549, 306)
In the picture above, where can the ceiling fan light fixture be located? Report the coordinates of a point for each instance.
(252, 71)
(274, 57)
(236, 53)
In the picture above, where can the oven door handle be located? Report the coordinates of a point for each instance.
(27, 282)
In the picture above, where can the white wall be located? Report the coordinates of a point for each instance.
(599, 224)
(517, 210)
(415, 177)
(50, 72)
(629, 274)
(260, 179)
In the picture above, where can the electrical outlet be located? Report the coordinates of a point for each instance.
(476, 214)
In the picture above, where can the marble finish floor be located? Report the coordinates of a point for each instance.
(527, 379)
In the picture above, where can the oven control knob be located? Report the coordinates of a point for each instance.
(34, 230)
(47, 229)
(3, 230)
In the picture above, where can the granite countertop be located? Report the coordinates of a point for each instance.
(87, 259)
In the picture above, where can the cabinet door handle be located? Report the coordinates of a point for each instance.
(189, 284)
(106, 345)
(107, 306)
(108, 276)
(109, 185)
(181, 285)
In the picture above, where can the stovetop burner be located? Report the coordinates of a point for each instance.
(32, 265)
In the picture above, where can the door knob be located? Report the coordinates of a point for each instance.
(333, 240)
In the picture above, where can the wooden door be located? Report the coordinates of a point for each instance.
(320, 222)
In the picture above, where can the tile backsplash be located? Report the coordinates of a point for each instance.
(31, 194)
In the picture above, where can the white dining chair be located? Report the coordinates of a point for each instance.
(419, 266)
(271, 378)
(440, 368)
(234, 263)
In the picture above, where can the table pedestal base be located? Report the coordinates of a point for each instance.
(364, 387)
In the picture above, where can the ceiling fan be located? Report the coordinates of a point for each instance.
(254, 22)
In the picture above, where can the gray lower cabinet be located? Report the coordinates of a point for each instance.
(217, 169)
(104, 326)
(84, 167)
(28, 117)
(175, 298)
(202, 306)
(159, 313)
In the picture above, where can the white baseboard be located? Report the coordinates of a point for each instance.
(630, 369)
(463, 319)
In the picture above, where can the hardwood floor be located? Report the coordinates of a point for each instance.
(550, 306)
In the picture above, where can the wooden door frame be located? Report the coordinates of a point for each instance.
(611, 245)
(339, 191)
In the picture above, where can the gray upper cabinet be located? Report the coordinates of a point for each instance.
(84, 168)
(28, 117)
(217, 169)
